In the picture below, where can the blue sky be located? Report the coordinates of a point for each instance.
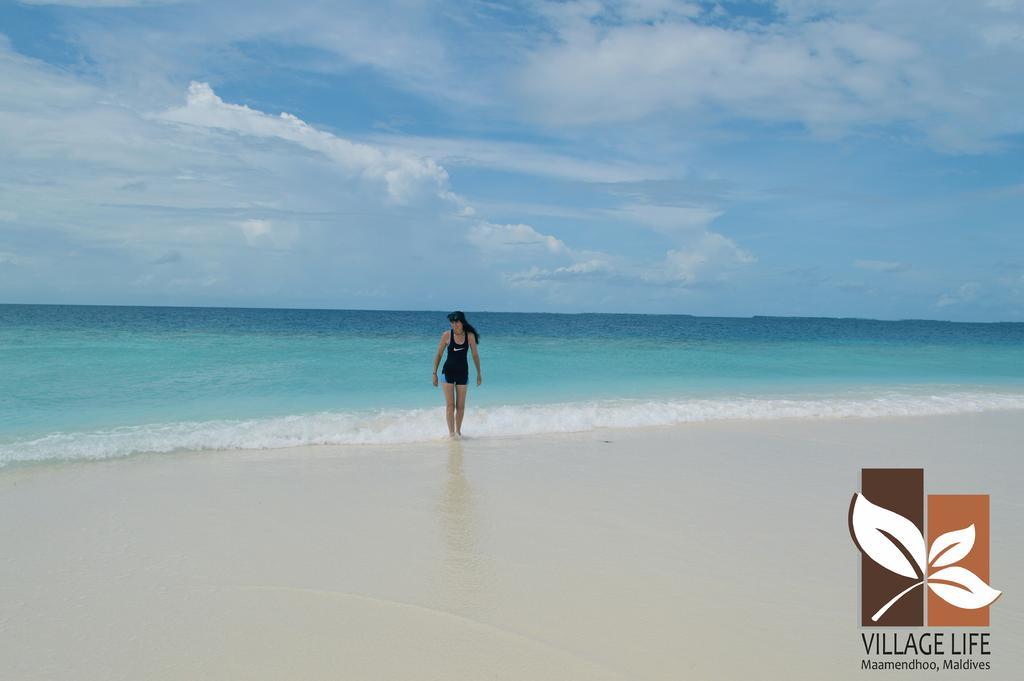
(713, 158)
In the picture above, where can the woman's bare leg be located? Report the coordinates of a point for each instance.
(449, 412)
(460, 408)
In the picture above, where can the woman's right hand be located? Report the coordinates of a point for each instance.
(435, 380)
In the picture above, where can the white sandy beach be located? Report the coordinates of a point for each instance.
(705, 551)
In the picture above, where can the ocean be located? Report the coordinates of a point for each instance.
(99, 382)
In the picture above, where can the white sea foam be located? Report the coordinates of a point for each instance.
(419, 425)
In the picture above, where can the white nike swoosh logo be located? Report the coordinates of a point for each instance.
(457, 349)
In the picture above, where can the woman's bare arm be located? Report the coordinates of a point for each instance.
(476, 356)
(440, 350)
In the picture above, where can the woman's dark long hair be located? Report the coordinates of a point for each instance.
(459, 316)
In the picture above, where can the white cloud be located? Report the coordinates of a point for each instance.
(701, 256)
(406, 176)
(587, 267)
(529, 159)
(267, 233)
(514, 241)
(944, 69)
(254, 229)
(824, 74)
(574, 272)
(965, 294)
(710, 257)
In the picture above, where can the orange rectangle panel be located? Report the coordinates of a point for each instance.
(951, 549)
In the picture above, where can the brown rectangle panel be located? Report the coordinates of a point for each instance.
(900, 490)
(947, 513)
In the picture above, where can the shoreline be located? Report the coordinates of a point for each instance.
(658, 552)
(416, 426)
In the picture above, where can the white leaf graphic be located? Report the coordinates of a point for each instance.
(973, 594)
(951, 547)
(868, 522)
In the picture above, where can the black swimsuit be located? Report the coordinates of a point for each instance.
(456, 366)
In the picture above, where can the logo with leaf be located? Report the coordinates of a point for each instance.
(895, 543)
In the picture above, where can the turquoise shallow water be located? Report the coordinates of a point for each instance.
(83, 381)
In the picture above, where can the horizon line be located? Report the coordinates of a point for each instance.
(645, 314)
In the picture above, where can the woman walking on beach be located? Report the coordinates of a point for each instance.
(456, 368)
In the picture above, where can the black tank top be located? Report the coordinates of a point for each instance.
(457, 352)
